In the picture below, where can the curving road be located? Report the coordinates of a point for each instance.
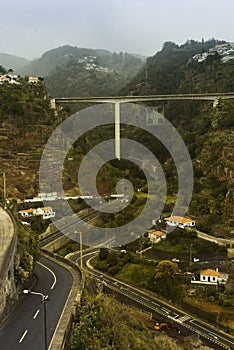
(24, 329)
(186, 323)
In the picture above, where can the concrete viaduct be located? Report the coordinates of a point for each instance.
(117, 100)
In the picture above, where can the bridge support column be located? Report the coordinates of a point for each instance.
(216, 102)
(117, 130)
(53, 103)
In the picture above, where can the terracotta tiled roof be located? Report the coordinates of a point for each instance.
(210, 272)
(179, 219)
(157, 233)
(45, 208)
(31, 210)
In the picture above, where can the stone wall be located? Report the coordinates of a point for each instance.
(8, 244)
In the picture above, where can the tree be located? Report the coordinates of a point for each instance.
(165, 281)
(103, 253)
(2, 69)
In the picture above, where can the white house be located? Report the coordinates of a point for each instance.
(156, 236)
(27, 212)
(180, 221)
(212, 277)
(45, 212)
(10, 78)
(33, 80)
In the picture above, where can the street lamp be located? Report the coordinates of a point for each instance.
(81, 250)
(190, 253)
(44, 298)
(4, 189)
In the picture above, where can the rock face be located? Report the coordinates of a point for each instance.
(8, 242)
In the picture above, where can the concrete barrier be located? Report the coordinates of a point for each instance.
(8, 245)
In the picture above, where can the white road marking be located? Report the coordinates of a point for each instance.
(37, 312)
(213, 335)
(183, 318)
(134, 293)
(53, 274)
(155, 303)
(23, 336)
(165, 310)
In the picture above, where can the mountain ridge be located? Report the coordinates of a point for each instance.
(12, 61)
(206, 131)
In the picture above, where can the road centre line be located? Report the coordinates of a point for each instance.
(133, 293)
(23, 336)
(211, 337)
(198, 325)
(53, 274)
(37, 312)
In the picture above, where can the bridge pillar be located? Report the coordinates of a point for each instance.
(53, 103)
(215, 102)
(117, 130)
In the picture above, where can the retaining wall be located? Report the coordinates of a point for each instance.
(8, 245)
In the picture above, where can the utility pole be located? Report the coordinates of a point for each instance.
(81, 249)
(117, 130)
(190, 253)
(4, 189)
(81, 252)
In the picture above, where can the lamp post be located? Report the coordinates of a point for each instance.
(81, 250)
(4, 189)
(190, 253)
(43, 300)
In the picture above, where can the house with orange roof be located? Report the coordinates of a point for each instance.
(45, 212)
(212, 277)
(27, 212)
(33, 80)
(156, 236)
(180, 221)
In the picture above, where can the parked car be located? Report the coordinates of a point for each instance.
(196, 259)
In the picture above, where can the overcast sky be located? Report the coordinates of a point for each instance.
(28, 28)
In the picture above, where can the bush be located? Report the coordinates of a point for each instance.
(211, 298)
(103, 254)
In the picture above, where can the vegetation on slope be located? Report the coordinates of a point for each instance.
(26, 122)
(28, 252)
(102, 323)
(73, 71)
(208, 132)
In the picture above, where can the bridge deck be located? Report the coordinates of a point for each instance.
(125, 99)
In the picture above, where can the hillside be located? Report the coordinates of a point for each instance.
(103, 321)
(208, 132)
(70, 71)
(12, 62)
(27, 121)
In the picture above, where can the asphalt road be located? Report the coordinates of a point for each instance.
(185, 323)
(24, 329)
